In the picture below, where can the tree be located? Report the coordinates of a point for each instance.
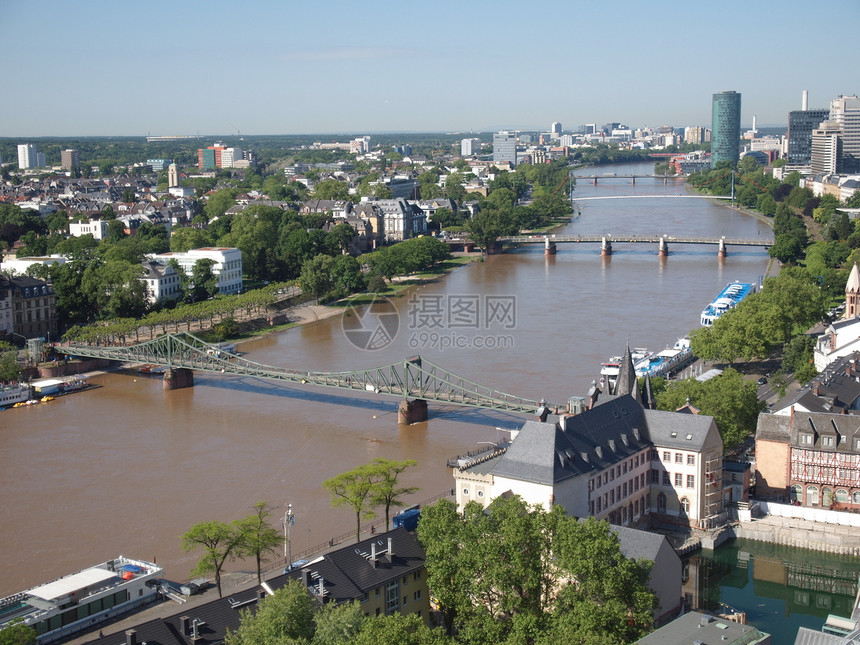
(354, 489)
(514, 573)
(485, 228)
(385, 491)
(377, 284)
(729, 398)
(9, 368)
(17, 633)
(332, 189)
(204, 282)
(259, 538)
(338, 624)
(398, 629)
(316, 277)
(187, 238)
(346, 275)
(285, 617)
(219, 541)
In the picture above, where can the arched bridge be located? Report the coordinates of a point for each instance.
(413, 378)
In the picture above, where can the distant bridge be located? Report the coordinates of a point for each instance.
(413, 378)
(632, 178)
(586, 199)
(637, 239)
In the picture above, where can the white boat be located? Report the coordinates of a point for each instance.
(728, 298)
(668, 361)
(83, 600)
(12, 394)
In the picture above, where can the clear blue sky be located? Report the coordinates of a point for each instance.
(278, 67)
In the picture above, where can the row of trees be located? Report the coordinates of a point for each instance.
(249, 537)
(512, 573)
(370, 486)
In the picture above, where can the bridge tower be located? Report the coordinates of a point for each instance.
(595, 180)
(177, 378)
(664, 247)
(721, 253)
(606, 246)
(549, 247)
(634, 180)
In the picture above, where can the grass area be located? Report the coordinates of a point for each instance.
(552, 226)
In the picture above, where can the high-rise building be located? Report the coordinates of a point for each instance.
(470, 147)
(505, 147)
(69, 159)
(801, 123)
(845, 110)
(725, 127)
(172, 175)
(555, 130)
(27, 156)
(694, 134)
(827, 149)
(209, 158)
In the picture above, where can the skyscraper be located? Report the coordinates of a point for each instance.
(505, 147)
(827, 149)
(845, 110)
(725, 127)
(801, 123)
(555, 129)
(69, 159)
(27, 156)
(469, 147)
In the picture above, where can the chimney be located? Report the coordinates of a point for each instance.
(373, 559)
(390, 549)
(321, 587)
(185, 625)
(804, 105)
(260, 595)
(306, 577)
(130, 637)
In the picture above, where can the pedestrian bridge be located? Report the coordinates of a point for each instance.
(638, 239)
(413, 378)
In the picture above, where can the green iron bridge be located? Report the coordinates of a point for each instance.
(413, 378)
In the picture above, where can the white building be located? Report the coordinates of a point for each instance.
(161, 282)
(27, 156)
(845, 110)
(172, 175)
(98, 228)
(227, 267)
(843, 336)
(827, 146)
(19, 266)
(470, 147)
(505, 147)
(229, 157)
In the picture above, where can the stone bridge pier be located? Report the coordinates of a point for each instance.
(412, 411)
(176, 379)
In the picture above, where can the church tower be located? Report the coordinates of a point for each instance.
(852, 294)
(626, 382)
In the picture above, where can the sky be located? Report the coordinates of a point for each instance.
(166, 67)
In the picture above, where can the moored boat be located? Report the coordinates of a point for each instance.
(13, 394)
(83, 600)
(668, 361)
(729, 298)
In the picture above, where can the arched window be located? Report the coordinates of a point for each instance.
(842, 495)
(811, 495)
(796, 493)
(855, 497)
(661, 502)
(685, 505)
(826, 497)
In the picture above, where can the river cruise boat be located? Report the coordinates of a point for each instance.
(609, 369)
(13, 394)
(729, 298)
(667, 362)
(83, 600)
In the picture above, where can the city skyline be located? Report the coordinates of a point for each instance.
(99, 69)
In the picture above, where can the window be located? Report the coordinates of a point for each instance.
(661, 502)
(655, 476)
(480, 493)
(377, 592)
(855, 497)
(679, 458)
(416, 575)
(796, 493)
(806, 439)
(691, 481)
(667, 456)
(667, 480)
(679, 479)
(465, 491)
(599, 507)
(827, 441)
(842, 495)
(611, 474)
(416, 595)
(612, 497)
(642, 480)
(812, 495)
(691, 460)
(625, 468)
(636, 461)
(685, 505)
(405, 581)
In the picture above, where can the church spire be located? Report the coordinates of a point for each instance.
(852, 294)
(626, 382)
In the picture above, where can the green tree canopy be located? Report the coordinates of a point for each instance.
(285, 618)
(259, 538)
(219, 542)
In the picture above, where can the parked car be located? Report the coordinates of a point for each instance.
(762, 381)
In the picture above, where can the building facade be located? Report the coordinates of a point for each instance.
(845, 110)
(69, 159)
(801, 123)
(98, 228)
(161, 282)
(34, 313)
(27, 156)
(227, 265)
(725, 127)
(826, 149)
(809, 458)
(505, 148)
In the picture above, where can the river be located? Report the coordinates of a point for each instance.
(127, 468)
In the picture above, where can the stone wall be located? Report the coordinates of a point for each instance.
(842, 540)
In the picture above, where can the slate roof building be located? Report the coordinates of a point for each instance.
(615, 461)
(836, 390)
(385, 574)
(34, 312)
(696, 627)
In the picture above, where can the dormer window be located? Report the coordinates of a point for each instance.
(806, 439)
